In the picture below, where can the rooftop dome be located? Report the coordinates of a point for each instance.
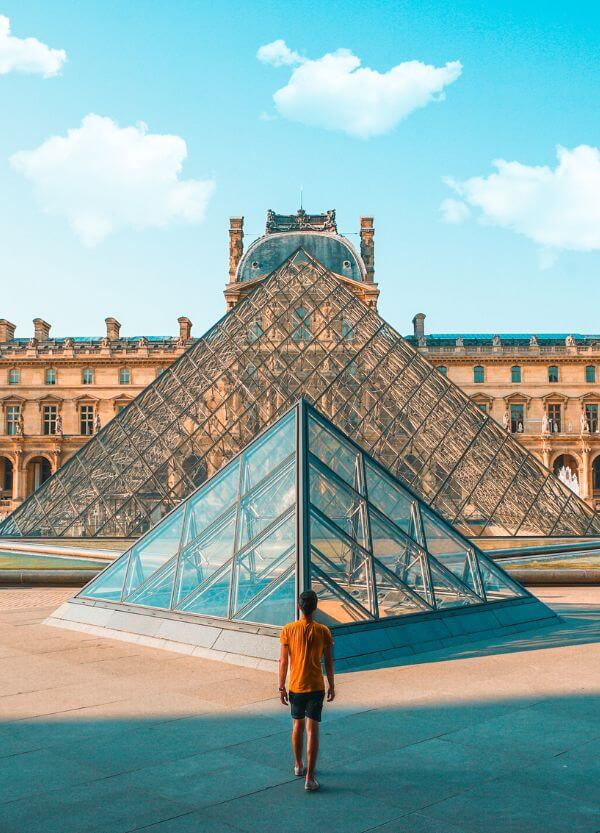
(316, 233)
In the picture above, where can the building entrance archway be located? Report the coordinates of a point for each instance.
(7, 475)
(38, 471)
(596, 477)
(566, 461)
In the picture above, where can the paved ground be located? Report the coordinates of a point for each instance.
(109, 737)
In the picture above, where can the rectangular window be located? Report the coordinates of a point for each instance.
(482, 407)
(553, 374)
(591, 417)
(442, 369)
(14, 377)
(515, 374)
(478, 375)
(255, 330)
(554, 418)
(517, 418)
(86, 420)
(50, 376)
(124, 376)
(87, 376)
(347, 330)
(301, 317)
(49, 415)
(590, 374)
(13, 414)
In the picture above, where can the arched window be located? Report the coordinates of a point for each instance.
(590, 374)
(478, 374)
(301, 318)
(596, 476)
(14, 376)
(442, 369)
(50, 376)
(124, 376)
(553, 373)
(515, 374)
(87, 376)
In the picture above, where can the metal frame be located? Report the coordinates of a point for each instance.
(127, 477)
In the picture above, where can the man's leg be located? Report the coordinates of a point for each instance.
(298, 741)
(312, 747)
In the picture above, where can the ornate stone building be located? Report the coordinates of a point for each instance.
(544, 388)
(56, 392)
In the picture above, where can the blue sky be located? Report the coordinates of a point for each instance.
(530, 82)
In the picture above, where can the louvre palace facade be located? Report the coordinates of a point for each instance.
(302, 322)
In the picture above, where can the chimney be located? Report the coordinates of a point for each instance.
(367, 246)
(236, 244)
(41, 330)
(185, 328)
(7, 330)
(419, 326)
(113, 328)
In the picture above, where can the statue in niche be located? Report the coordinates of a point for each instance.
(97, 423)
(545, 424)
(506, 420)
(20, 425)
(585, 428)
(59, 426)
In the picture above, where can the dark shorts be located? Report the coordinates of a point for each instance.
(308, 704)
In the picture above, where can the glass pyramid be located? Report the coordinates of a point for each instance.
(302, 506)
(301, 333)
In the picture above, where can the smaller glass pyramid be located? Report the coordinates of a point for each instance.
(302, 506)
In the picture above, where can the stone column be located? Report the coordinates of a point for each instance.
(546, 451)
(585, 473)
(367, 246)
(19, 478)
(236, 244)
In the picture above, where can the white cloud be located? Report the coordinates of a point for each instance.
(278, 54)
(454, 211)
(558, 208)
(27, 54)
(104, 178)
(336, 93)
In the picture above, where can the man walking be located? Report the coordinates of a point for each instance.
(303, 644)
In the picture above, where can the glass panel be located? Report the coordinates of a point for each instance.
(154, 550)
(447, 549)
(496, 583)
(278, 607)
(342, 506)
(261, 507)
(388, 497)
(345, 564)
(402, 558)
(341, 458)
(212, 599)
(206, 555)
(334, 607)
(109, 584)
(156, 592)
(392, 598)
(265, 456)
(212, 501)
(447, 592)
(264, 562)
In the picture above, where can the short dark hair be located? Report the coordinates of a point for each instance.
(307, 602)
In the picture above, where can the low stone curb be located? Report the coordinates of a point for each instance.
(46, 578)
(566, 577)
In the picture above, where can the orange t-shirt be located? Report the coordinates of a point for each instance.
(306, 643)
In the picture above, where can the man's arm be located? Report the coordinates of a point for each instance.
(284, 655)
(328, 656)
